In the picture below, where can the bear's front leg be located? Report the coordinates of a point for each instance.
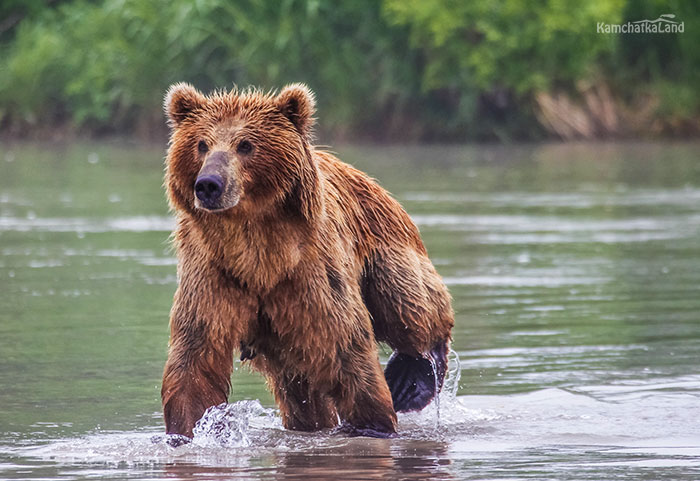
(365, 405)
(196, 375)
(362, 396)
(207, 319)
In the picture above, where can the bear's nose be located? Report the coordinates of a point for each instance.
(208, 188)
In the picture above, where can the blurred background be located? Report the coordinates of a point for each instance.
(383, 70)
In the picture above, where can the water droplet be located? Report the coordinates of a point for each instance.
(433, 365)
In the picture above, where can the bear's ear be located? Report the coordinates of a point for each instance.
(181, 101)
(297, 103)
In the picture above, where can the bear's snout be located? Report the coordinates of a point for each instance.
(216, 187)
(208, 189)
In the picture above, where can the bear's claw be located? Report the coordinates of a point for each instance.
(411, 379)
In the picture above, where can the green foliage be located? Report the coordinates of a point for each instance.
(100, 65)
(669, 63)
(492, 56)
(105, 65)
(523, 46)
(397, 68)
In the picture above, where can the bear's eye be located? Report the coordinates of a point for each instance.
(202, 146)
(244, 147)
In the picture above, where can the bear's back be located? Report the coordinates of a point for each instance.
(377, 218)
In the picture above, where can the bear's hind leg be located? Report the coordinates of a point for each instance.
(411, 311)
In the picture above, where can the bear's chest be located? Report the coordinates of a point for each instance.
(254, 257)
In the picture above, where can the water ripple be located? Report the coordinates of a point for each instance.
(88, 225)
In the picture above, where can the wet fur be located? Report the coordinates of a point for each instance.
(313, 266)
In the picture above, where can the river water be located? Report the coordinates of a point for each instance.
(575, 273)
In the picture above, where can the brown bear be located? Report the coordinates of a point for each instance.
(298, 261)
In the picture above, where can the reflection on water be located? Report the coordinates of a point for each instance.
(574, 272)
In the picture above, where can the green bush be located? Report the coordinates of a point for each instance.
(409, 69)
(105, 66)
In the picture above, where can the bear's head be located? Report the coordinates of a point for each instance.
(241, 153)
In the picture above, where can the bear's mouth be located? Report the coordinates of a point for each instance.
(218, 206)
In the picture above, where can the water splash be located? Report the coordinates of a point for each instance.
(454, 374)
(448, 414)
(450, 384)
(230, 425)
(248, 424)
(436, 399)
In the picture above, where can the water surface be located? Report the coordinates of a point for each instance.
(575, 273)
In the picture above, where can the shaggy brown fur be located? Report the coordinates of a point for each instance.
(303, 263)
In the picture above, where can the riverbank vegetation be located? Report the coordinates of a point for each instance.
(382, 70)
